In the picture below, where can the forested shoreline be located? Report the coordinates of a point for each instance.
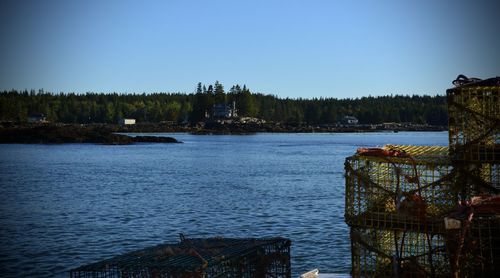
(193, 107)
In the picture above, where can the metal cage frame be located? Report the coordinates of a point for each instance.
(398, 253)
(199, 258)
(411, 193)
(474, 121)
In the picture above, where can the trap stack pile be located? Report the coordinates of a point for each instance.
(474, 139)
(422, 211)
(396, 197)
(197, 257)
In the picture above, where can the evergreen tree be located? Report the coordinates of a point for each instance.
(107, 108)
(220, 96)
(199, 90)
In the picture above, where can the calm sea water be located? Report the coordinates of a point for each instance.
(66, 205)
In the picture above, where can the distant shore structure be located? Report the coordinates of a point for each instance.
(127, 121)
(350, 120)
(37, 118)
(225, 111)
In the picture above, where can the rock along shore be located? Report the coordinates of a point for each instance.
(48, 133)
(57, 134)
(233, 127)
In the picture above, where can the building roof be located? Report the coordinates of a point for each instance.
(350, 118)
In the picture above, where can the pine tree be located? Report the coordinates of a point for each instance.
(220, 97)
(199, 90)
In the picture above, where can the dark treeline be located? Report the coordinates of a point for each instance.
(193, 107)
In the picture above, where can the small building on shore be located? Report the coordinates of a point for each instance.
(37, 118)
(127, 121)
(350, 120)
(391, 125)
(224, 111)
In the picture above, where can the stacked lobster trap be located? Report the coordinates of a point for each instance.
(426, 211)
(474, 119)
(396, 198)
(198, 258)
(399, 187)
(474, 129)
(398, 253)
(474, 139)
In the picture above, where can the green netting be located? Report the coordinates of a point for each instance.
(406, 193)
(474, 121)
(211, 257)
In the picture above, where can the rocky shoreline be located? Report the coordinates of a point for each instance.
(58, 134)
(48, 133)
(228, 127)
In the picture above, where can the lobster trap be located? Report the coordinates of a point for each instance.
(196, 257)
(409, 191)
(397, 253)
(476, 178)
(474, 119)
(475, 248)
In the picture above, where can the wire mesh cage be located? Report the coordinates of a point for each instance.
(196, 257)
(409, 191)
(397, 253)
(475, 248)
(476, 178)
(474, 120)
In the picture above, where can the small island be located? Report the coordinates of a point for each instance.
(59, 133)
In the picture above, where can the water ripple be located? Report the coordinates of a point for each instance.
(67, 205)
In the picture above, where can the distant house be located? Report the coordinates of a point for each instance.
(350, 120)
(222, 110)
(37, 118)
(127, 121)
(391, 125)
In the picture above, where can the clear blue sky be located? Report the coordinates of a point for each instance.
(286, 48)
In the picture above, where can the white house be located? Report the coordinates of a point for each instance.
(222, 110)
(127, 121)
(350, 120)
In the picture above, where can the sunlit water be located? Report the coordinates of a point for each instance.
(66, 205)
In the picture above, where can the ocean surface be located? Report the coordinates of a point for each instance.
(65, 205)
